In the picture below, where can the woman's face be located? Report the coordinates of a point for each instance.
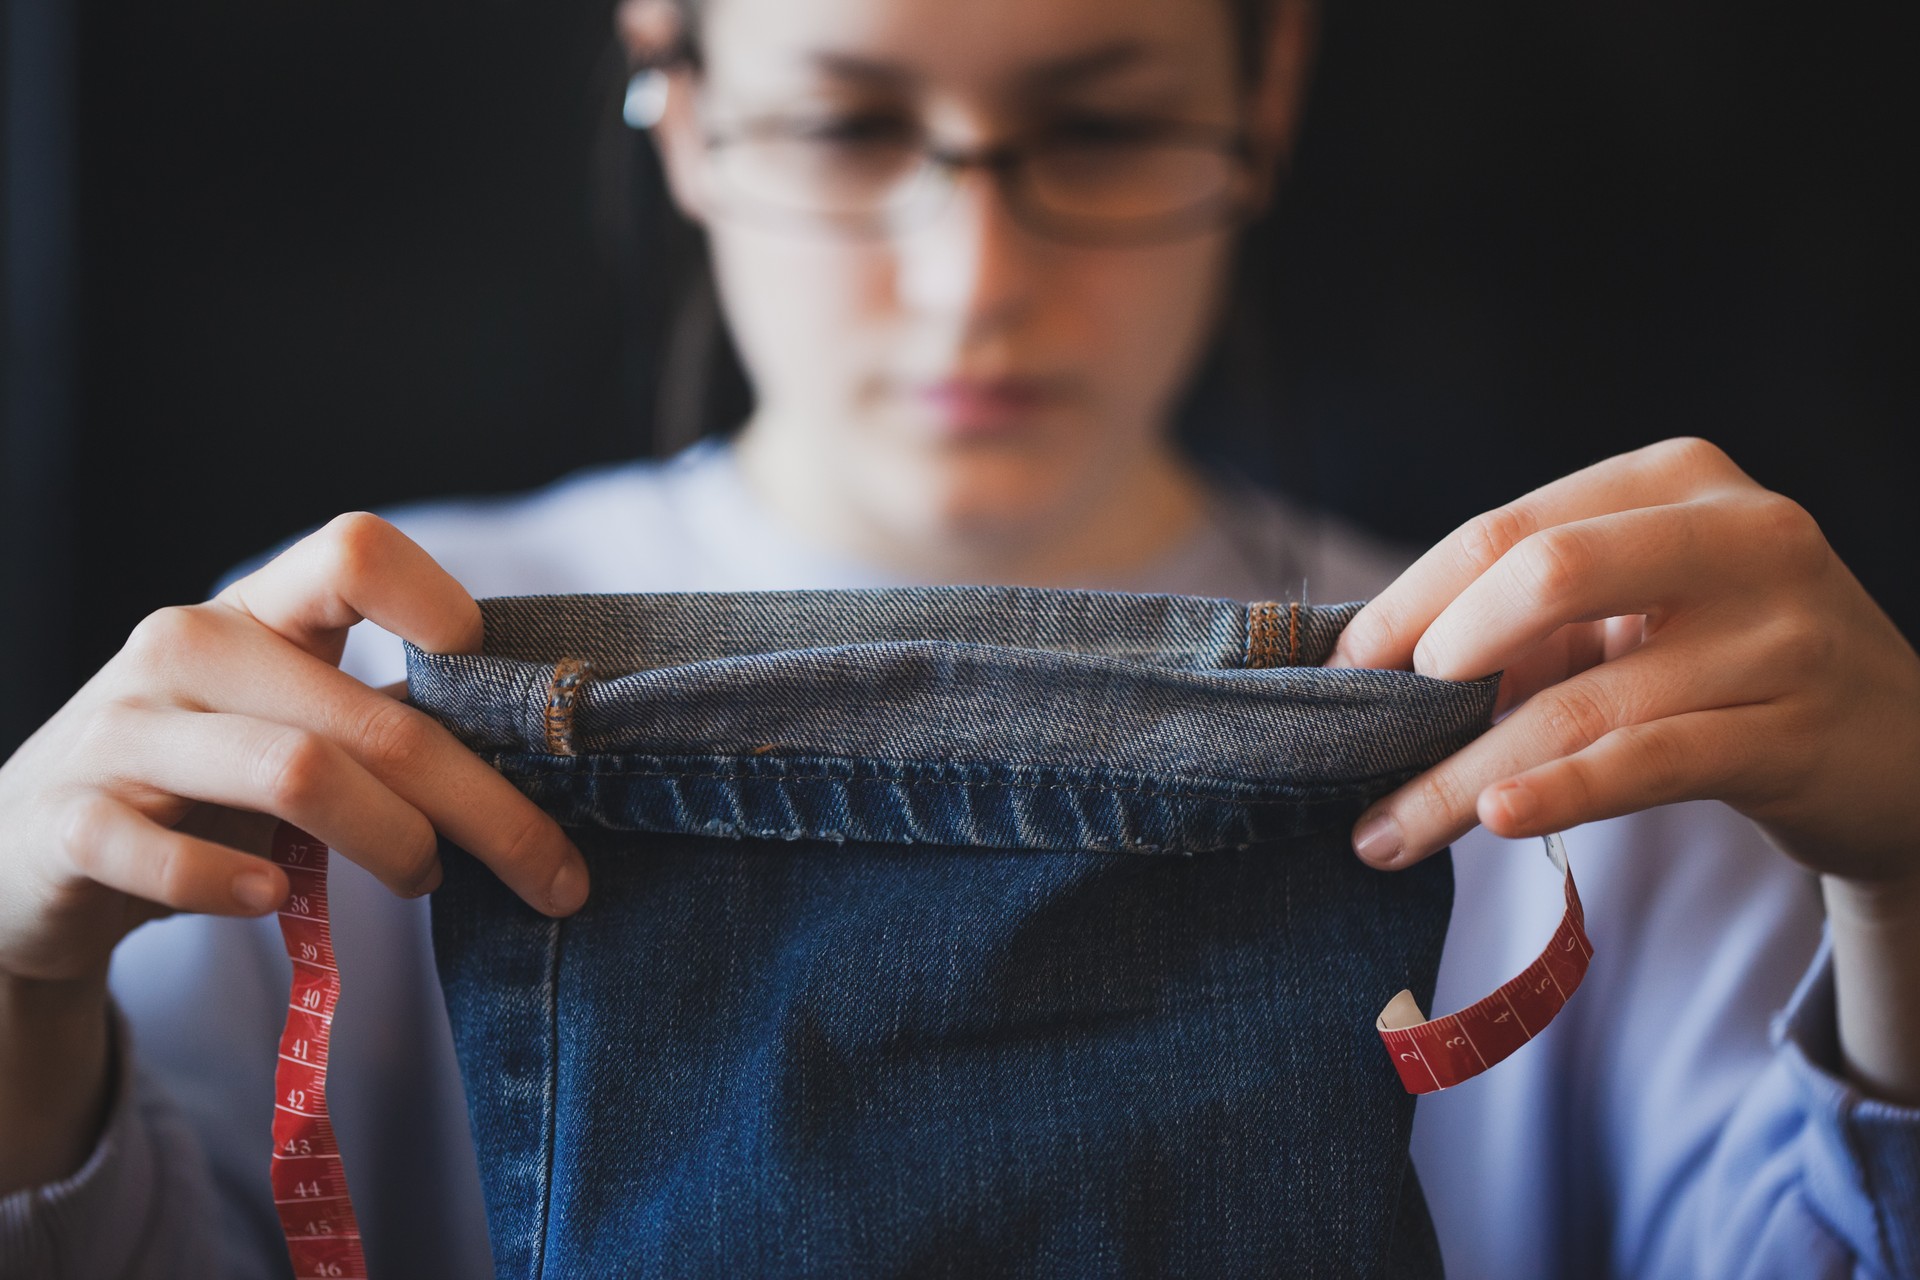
(963, 376)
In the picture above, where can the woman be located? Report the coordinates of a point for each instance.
(973, 385)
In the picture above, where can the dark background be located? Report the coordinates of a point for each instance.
(267, 260)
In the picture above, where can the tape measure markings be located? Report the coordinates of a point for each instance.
(309, 1181)
(1438, 1053)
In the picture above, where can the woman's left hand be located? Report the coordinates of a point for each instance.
(1669, 631)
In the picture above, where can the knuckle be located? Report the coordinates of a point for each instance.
(1440, 796)
(355, 546)
(170, 634)
(1656, 756)
(1575, 716)
(527, 844)
(170, 874)
(1578, 784)
(1800, 650)
(1491, 534)
(1692, 455)
(1790, 529)
(1370, 633)
(1551, 565)
(293, 769)
(82, 830)
(393, 738)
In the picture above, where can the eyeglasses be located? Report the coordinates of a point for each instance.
(1090, 181)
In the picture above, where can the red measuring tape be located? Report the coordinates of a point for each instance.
(309, 1184)
(1439, 1053)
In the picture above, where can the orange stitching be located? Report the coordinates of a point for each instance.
(1293, 635)
(1262, 639)
(562, 693)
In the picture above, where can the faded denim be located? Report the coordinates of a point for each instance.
(943, 932)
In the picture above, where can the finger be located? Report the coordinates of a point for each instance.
(109, 841)
(1648, 561)
(1565, 654)
(1648, 685)
(292, 773)
(410, 754)
(1685, 757)
(358, 567)
(1385, 633)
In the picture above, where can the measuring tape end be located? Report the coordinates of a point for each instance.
(1401, 1012)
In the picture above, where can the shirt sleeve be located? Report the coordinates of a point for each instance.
(137, 1209)
(1812, 1177)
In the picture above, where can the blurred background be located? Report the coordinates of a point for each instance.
(264, 262)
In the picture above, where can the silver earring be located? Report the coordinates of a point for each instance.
(646, 99)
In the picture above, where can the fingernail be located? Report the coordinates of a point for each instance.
(569, 888)
(1378, 840)
(1518, 801)
(256, 890)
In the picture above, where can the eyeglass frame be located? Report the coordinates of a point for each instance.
(1003, 161)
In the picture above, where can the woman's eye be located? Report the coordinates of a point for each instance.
(870, 130)
(1104, 131)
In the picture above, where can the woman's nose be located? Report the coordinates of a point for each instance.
(972, 262)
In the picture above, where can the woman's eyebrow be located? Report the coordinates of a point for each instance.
(1063, 71)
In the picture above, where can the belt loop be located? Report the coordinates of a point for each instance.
(568, 675)
(1264, 634)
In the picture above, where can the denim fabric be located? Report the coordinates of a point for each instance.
(942, 932)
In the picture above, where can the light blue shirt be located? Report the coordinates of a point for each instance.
(1682, 1117)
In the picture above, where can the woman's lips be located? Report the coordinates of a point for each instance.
(976, 407)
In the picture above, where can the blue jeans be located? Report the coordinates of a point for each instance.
(943, 932)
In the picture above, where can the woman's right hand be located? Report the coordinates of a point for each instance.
(157, 787)
(139, 796)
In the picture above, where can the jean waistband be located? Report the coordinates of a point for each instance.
(966, 686)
